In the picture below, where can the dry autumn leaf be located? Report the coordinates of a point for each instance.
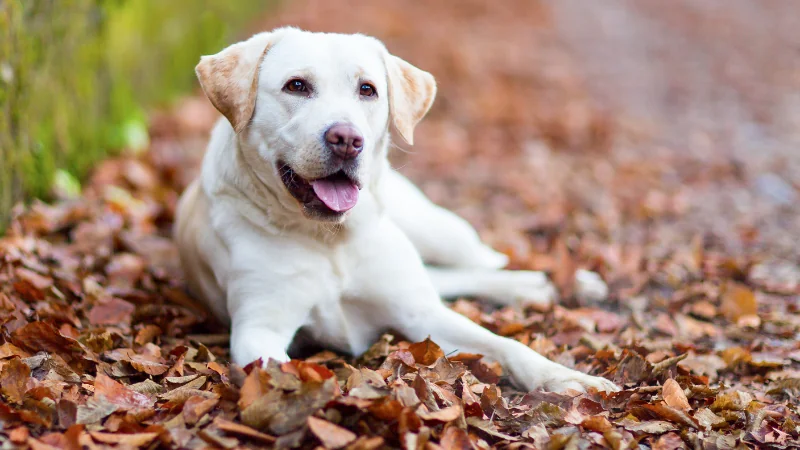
(738, 301)
(684, 213)
(673, 395)
(425, 352)
(331, 436)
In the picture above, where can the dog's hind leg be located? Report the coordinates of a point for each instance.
(440, 237)
(502, 287)
(390, 290)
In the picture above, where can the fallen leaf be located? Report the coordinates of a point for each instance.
(119, 395)
(597, 423)
(671, 414)
(282, 412)
(673, 395)
(735, 400)
(14, 379)
(669, 441)
(425, 352)
(243, 431)
(112, 311)
(738, 301)
(41, 336)
(196, 407)
(331, 436)
(455, 438)
(445, 415)
(19, 435)
(135, 440)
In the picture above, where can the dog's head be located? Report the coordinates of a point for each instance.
(317, 107)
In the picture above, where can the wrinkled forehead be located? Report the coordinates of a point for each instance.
(325, 54)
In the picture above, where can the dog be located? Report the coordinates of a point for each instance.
(297, 221)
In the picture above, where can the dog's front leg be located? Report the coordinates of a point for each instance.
(271, 292)
(393, 284)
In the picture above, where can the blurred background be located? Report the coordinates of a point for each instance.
(652, 141)
(582, 126)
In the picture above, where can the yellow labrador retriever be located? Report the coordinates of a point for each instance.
(298, 221)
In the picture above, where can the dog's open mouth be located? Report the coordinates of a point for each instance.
(332, 195)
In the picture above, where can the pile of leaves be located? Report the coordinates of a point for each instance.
(101, 346)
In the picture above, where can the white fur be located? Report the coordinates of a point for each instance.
(261, 264)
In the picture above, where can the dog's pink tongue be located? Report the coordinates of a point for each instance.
(338, 194)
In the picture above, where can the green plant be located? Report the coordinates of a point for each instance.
(76, 77)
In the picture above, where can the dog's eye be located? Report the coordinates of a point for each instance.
(367, 90)
(296, 86)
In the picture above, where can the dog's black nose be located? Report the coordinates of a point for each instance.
(344, 140)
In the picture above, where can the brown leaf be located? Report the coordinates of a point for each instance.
(669, 441)
(41, 336)
(633, 369)
(135, 440)
(485, 373)
(331, 436)
(489, 428)
(14, 379)
(113, 311)
(455, 438)
(196, 407)
(472, 406)
(444, 370)
(367, 443)
(8, 350)
(735, 401)
(19, 435)
(674, 396)
(192, 388)
(597, 423)
(117, 394)
(366, 384)
(243, 431)
(36, 280)
(147, 334)
(386, 409)
(425, 352)
(67, 412)
(445, 415)
(282, 412)
(738, 301)
(217, 440)
(95, 410)
(148, 364)
(707, 419)
(124, 270)
(307, 372)
(255, 385)
(648, 426)
(671, 414)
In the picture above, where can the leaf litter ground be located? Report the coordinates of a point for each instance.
(101, 346)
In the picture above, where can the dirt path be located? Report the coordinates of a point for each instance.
(653, 144)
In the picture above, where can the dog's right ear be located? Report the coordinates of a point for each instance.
(230, 78)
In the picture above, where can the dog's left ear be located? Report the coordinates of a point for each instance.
(230, 78)
(411, 94)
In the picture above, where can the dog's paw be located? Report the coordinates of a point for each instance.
(482, 256)
(536, 373)
(589, 287)
(525, 287)
(580, 382)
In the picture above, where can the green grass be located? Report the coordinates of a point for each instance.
(76, 77)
